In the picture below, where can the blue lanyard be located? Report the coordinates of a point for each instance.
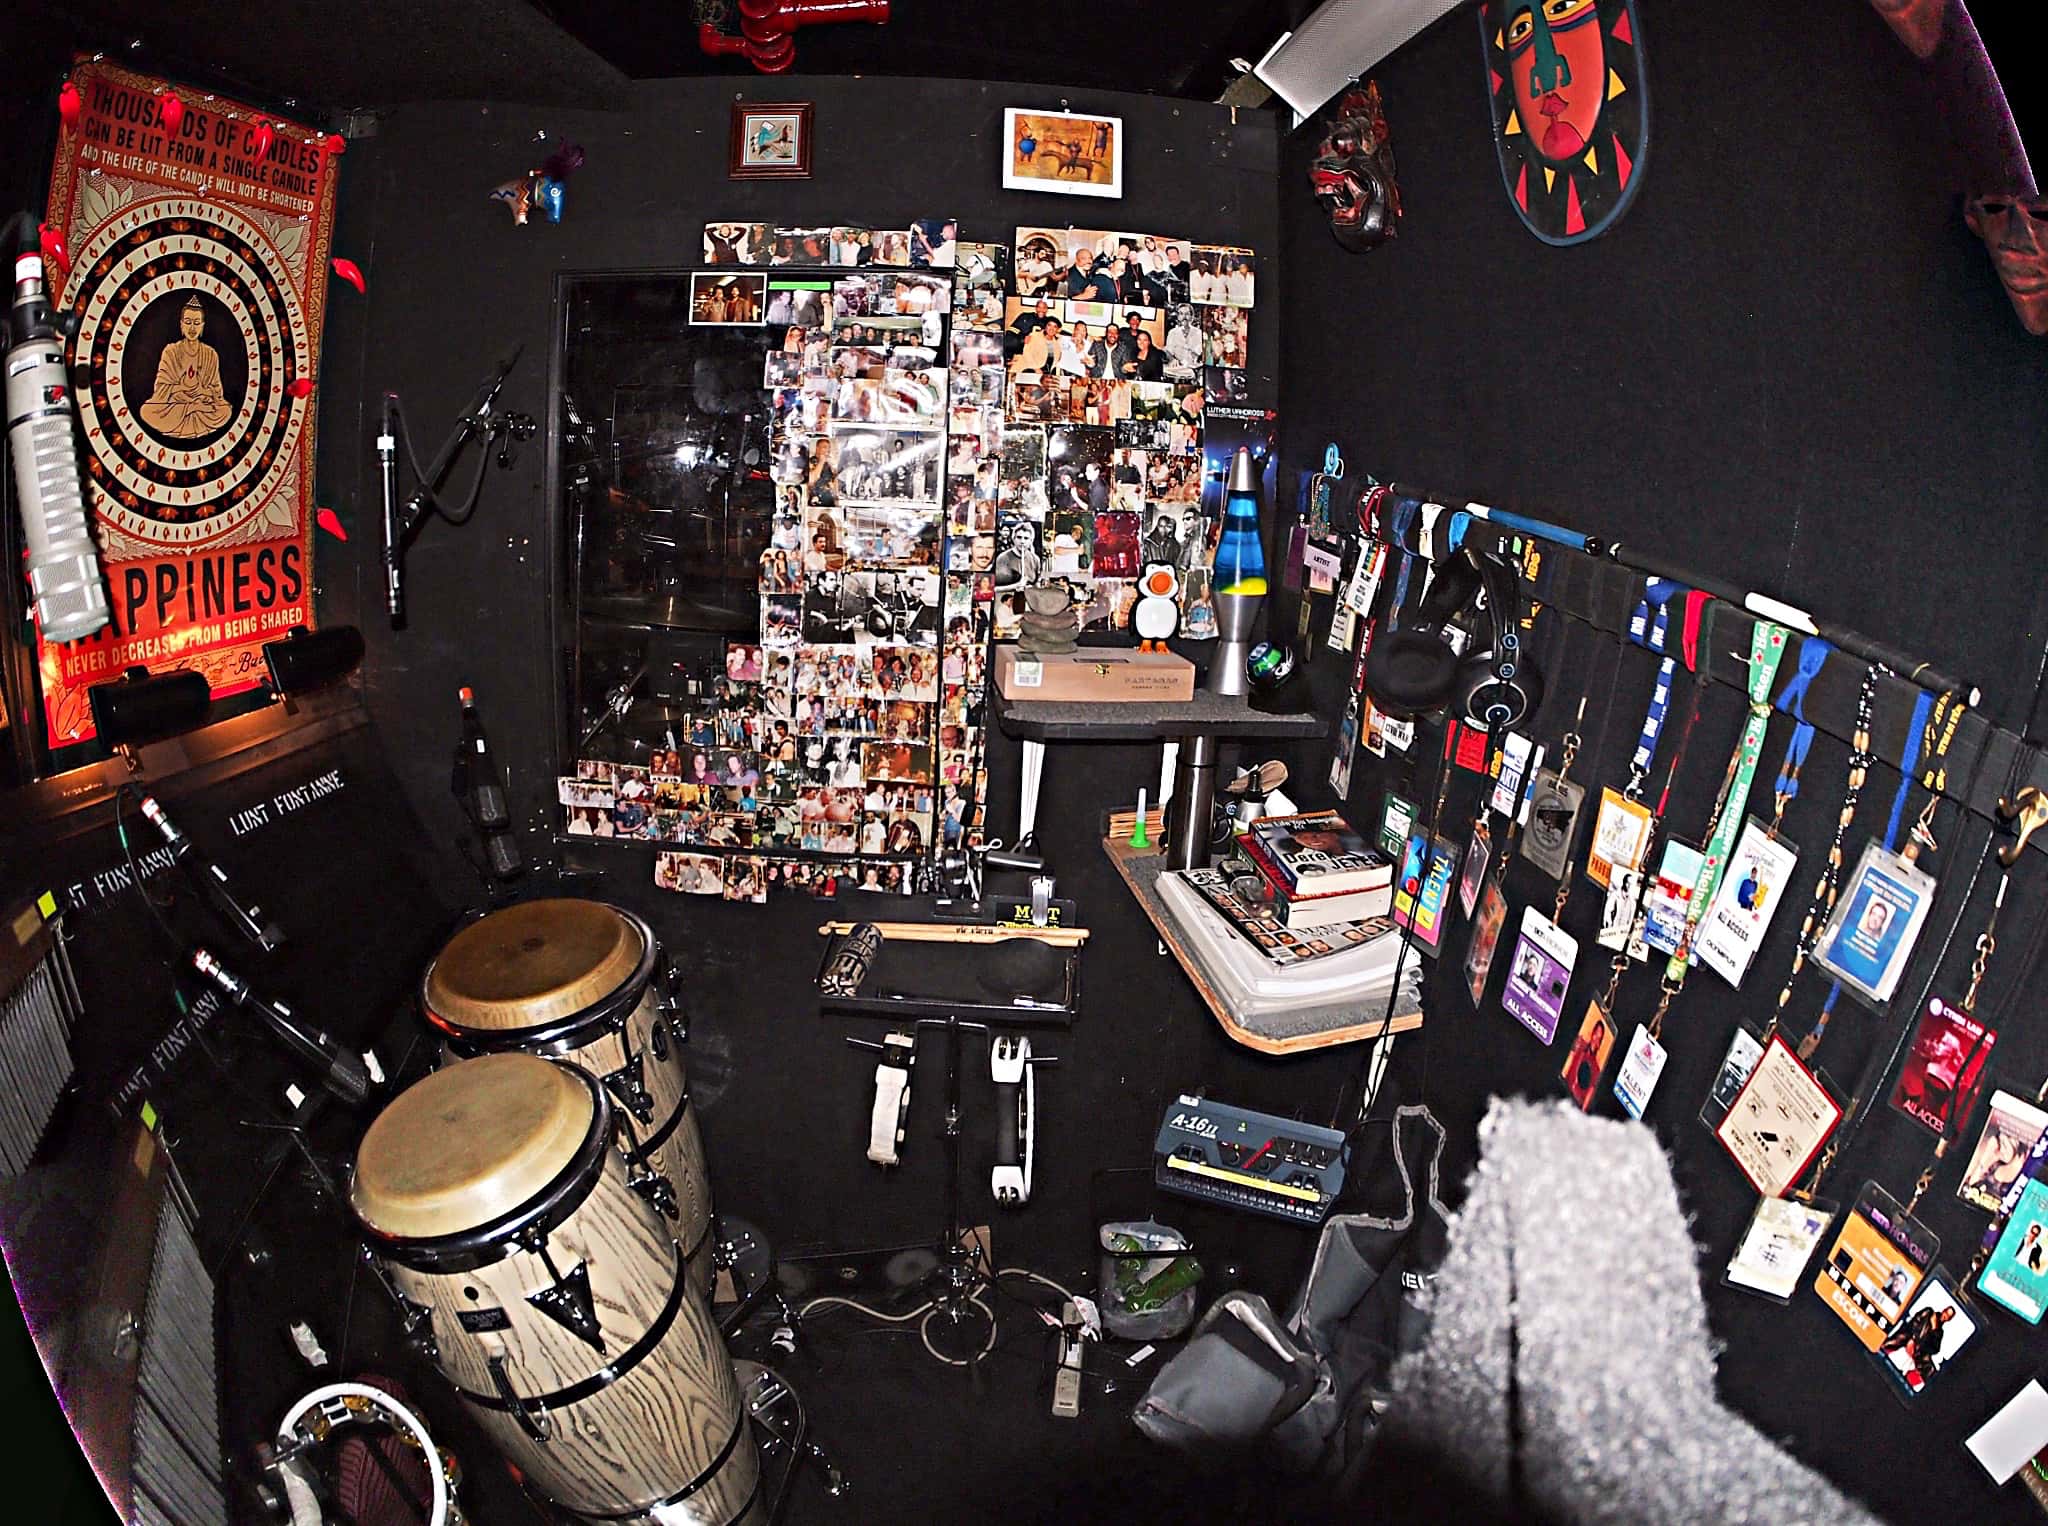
(1649, 631)
(1813, 656)
(1400, 522)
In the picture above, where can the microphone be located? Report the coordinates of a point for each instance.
(482, 790)
(344, 1074)
(63, 563)
(394, 552)
(248, 920)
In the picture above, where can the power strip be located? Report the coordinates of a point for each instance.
(1066, 1383)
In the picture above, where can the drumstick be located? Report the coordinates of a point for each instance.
(966, 932)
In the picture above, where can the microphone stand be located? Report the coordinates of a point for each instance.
(401, 523)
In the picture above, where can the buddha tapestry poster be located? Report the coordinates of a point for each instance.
(199, 246)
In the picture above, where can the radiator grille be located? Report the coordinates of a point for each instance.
(177, 1472)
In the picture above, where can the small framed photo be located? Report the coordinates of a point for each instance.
(728, 301)
(1064, 152)
(770, 141)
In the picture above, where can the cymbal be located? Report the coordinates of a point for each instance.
(532, 964)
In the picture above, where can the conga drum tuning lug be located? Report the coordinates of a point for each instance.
(531, 1417)
(629, 1085)
(659, 1192)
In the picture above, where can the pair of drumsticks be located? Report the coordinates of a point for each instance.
(965, 932)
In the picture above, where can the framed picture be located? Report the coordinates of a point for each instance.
(1063, 152)
(771, 140)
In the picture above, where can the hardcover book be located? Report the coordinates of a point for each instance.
(1318, 853)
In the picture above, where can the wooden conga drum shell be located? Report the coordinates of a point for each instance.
(557, 1296)
(574, 980)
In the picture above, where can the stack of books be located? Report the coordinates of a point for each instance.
(1295, 918)
(1316, 871)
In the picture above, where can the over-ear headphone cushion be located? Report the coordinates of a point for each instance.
(1409, 673)
(1517, 701)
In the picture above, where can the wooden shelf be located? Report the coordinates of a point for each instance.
(1039, 720)
(1293, 1033)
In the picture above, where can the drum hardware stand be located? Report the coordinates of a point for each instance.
(956, 1284)
(778, 1411)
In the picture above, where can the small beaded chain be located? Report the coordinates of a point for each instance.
(1824, 892)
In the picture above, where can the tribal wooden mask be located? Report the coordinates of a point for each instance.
(1571, 113)
(1352, 174)
(2015, 230)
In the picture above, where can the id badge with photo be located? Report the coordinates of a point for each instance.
(1397, 824)
(1944, 1070)
(1936, 1326)
(1539, 974)
(1875, 1265)
(2012, 1127)
(1736, 920)
(2016, 1276)
(1744, 1050)
(1587, 1061)
(1772, 1254)
(1778, 1121)
(1374, 739)
(1485, 941)
(1620, 912)
(1667, 900)
(1553, 822)
(1346, 750)
(1640, 1068)
(1517, 755)
(1869, 938)
(1621, 837)
(1478, 854)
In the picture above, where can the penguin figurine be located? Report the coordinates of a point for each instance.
(1157, 615)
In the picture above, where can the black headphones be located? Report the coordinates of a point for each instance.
(1410, 672)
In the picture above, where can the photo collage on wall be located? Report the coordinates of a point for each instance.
(1107, 350)
(846, 747)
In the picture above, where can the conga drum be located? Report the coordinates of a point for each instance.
(555, 1295)
(575, 981)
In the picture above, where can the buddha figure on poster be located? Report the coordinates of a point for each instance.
(188, 401)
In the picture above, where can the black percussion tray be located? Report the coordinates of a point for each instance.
(1012, 981)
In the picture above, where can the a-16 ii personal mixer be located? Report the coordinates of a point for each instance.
(1237, 1158)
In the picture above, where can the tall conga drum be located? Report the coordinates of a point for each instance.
(575, 981)
(555, 1294)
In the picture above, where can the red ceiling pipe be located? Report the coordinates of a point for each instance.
(765, 27)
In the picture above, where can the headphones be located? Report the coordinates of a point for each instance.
(1413, 671)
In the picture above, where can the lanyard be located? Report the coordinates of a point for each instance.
(1766, 648)
(1399, 522)
(1813, 656)
(1646, 629)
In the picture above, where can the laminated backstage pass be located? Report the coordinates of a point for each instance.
(1484, 941)
(1640, 1068)
(1466, 747)
(1324, 567)
(1778, 1121)
(1667, 899)
(2016, 1276)
(1397, 824)
(1478, 854)
(1870, 935)
(1875, 1265)
(1774, 1250)
(1364, 584)
(1937, 1325)
(1539, 974)
(1554, 808)
(1744, 1050)
(1621, 836)
(1375, 734)
(1343, 629)
(1590, 1051)
(1399, 734)
(1621, 911)
(1729, 935)
(1944, 1070)
(2012, 1127)
(1518, 755)
(1345, 753)
(2011, 1439)
(1423, 894)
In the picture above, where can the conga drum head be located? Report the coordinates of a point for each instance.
(469, 1149)
(533, 965)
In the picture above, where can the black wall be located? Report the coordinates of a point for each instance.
(1789, 366)
(453, 285)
